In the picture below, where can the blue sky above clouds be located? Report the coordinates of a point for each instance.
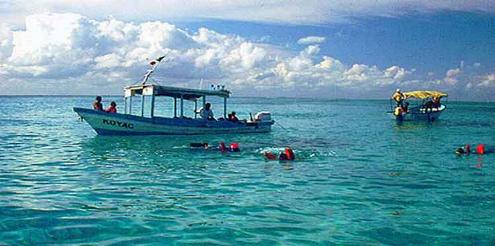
(345, 49)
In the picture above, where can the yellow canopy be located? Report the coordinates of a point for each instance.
(424, 94)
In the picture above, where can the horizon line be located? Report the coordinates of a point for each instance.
(277, 97)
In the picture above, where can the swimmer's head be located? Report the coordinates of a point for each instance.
(460, 151)
(235, 147)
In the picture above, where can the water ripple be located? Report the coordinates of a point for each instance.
(361, 182)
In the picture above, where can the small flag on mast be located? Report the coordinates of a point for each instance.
(159, 59)
(150, 71)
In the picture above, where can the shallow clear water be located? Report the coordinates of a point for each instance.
(359, 178)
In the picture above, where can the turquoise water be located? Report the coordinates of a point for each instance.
(359, 178)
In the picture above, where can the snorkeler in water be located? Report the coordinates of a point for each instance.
(466, 150)
(234, 147)
(199, 145)
(286, 155)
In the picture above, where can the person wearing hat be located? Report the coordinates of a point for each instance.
(398, 97)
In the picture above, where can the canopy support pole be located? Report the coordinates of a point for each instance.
(175, 107)
(125, 105)
(130, 105)
(195, 109)
(181, 106)
(142, 105)
(225, 108)
(204, 101)
(152, 105)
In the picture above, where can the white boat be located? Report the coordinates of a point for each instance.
(421, 106)
(128, 123)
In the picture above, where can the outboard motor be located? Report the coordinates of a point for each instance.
(263, 116)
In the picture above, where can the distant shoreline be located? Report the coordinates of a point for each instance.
(303, 98)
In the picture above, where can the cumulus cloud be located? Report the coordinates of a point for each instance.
(396, 72)
(82, 55)
(5, 41)
(487, 81)
(451, 77)
(311, 40)
(294, 12)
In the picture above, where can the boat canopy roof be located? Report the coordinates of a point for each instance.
(424, 94)
(169, 91)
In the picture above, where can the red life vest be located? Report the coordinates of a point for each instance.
(480, 149)
(234, 147)
(270, 156)
(111, 110)
(289, 154)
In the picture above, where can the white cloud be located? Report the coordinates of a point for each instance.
(245, 56)
(5, 41)
(58, 44)
(451, 76)
(272, 11)
(487, 81)
(396, 72)
(311, 40)
(82, 55)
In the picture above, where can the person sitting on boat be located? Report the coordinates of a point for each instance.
(436, 102)
(206, 112)
(97, 104)
(399, 112)
(112, 108)
(233, 117)
(428, 106)
(405, 108)
(398, 96)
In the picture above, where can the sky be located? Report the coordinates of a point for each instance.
(279, 48)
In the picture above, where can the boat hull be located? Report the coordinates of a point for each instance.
(123, 124)
(420, 115)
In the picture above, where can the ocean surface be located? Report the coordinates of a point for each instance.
(359, 178)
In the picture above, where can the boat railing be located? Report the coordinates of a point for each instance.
(148, 93)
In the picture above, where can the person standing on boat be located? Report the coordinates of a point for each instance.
(97, 104)
(206, 112)
(398, 96)
(405, 108)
